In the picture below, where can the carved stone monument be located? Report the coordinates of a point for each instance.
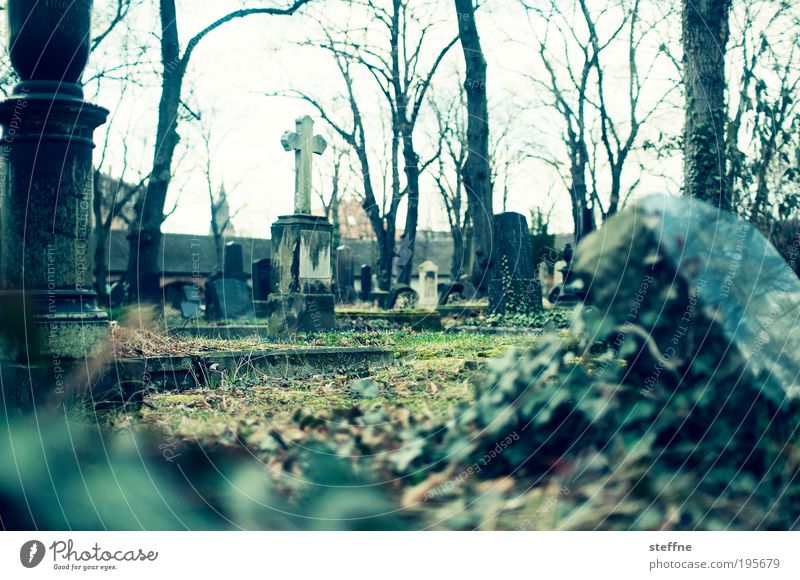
(301, 279)
(48, 306)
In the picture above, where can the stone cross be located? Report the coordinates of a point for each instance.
(304, 144)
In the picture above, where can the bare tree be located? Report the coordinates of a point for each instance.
(113, 195)
(451, 135)
(505, 156)
(401, 78)
(221, 217)
(761, 134)
(112, 202)
(145, 234)
(332, 202)
(395, 64)
(705, 39)
(598, 138)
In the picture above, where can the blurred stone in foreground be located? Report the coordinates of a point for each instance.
(703, 291)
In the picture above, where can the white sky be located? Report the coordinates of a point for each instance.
(236, 65)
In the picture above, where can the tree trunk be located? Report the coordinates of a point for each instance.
(705, 36)
(219, 245)
(411, 160)
(145, 233)
(582, 214)
(616, 189)
(458, 253)
(476, 171)
(385, 259)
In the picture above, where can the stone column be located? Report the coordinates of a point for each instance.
(48, 307)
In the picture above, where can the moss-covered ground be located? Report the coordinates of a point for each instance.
(432, 371)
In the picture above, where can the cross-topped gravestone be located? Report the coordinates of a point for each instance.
(304, 144)
(301, 278)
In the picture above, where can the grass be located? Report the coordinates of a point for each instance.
(433, 372)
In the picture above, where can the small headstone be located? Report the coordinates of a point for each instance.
(233, 261)
(261, 279)
(366, 282)
(190, 310)
(191, 292)
(429, 285)
(513, 286)
(402, 296)
(381, 299)
(229, 299)
(191, 304)
(345, 287)
(706, 295)
(450, 292)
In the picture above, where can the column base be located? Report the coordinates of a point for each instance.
(290, 314)
(41, 327)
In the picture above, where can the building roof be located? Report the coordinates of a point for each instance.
(188, 254)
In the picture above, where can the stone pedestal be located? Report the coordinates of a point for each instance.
(301, 285)
(48, 304)
(513, 287)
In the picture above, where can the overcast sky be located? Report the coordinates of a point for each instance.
(236, 66)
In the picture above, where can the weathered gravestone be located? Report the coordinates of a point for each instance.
(261, 269)
(301, 280)
(190, 302)
(229, 299)
(366, 282)
(428, 285)
(704, 295)
(677, 391)
(401, 296)
(513, 287)
(48, 307)
(261, 274)
(228, 296)
(345, 282)
(233, 261)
